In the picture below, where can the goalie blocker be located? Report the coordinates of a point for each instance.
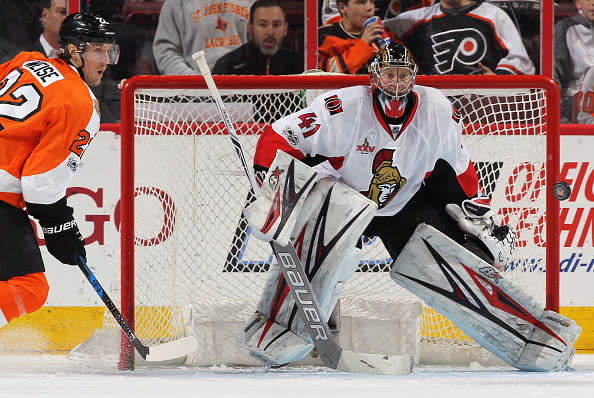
(481, 302)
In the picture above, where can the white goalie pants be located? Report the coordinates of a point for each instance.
(325, 235)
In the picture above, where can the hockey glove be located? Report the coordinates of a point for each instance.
(62, 237)
(478, 219)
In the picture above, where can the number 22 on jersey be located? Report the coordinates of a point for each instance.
(18, 102)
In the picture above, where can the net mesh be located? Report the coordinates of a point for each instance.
(197, 265)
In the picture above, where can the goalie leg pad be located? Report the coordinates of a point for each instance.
(273, 214)
(482, 303)
(332, 220)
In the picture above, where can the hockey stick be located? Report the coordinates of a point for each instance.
(162, 352)
(329, 351)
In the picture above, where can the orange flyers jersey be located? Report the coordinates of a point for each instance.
(48, 116)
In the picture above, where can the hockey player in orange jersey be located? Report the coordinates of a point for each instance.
(48, 117)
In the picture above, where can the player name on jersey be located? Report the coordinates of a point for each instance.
(44, 72)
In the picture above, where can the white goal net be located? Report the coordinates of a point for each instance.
(195, 269)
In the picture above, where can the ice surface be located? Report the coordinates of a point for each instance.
(56, 376)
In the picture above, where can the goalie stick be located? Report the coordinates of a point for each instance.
(331, 354)
(162, 352)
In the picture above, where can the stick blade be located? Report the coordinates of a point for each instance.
(375, 363)
(172, 350)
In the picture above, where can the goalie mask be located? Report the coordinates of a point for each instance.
(393, 71)
(93, 37)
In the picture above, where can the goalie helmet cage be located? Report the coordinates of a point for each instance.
(188, 262)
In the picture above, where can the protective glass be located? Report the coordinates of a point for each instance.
(105, 53)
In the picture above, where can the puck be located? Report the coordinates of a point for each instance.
(561, 190)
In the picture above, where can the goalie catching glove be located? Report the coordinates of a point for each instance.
(475, 217)
(62, 237)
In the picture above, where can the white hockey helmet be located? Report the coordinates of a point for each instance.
(393, 70)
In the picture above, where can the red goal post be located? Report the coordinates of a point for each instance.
(532, 116)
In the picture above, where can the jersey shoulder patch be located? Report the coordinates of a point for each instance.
(333, 104)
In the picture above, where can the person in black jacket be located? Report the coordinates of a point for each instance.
(263, 55)
(52, 14)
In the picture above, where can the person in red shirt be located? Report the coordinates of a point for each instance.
(48, 117)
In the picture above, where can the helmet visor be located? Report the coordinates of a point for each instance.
(105, 53)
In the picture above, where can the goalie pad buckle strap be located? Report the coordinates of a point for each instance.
(482, 303)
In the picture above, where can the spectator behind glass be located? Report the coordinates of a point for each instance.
(383, 8)
(525, 15)
(462, 37)
(187, 26)
(53, 13)
(19, 27)
(262, 54)
(574, 55)
(585, 99)
(345, 47)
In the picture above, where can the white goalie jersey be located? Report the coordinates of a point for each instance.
(388, 163)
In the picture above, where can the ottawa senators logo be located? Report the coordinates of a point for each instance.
(386, 181)
(333, 104)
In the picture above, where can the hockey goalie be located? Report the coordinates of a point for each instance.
(389, 161)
